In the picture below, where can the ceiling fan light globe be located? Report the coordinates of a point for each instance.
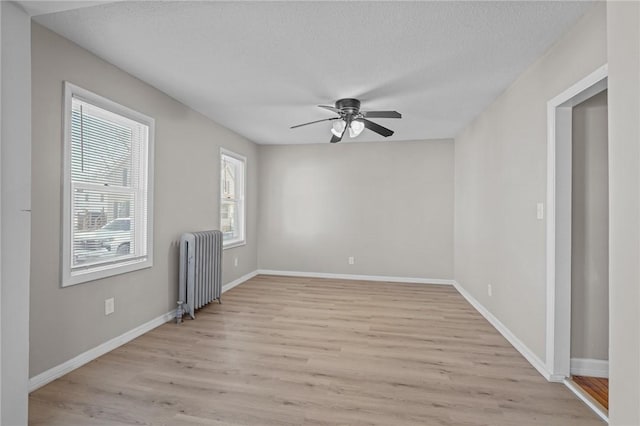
(338, 127)
(356, 128)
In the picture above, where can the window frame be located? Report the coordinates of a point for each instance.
(69, 275)
(241, 201)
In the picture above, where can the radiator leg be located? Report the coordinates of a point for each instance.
(220, 300)
(179, 312)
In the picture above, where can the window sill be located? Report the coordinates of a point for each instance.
(105, 271)
(233, 244)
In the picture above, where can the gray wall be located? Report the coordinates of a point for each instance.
(15, 189)
(67, 321)
(500, 175)
(388, 204)
(623, 27)
(590, 230)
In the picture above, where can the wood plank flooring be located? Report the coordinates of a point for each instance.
(302, 351)
(596, 387)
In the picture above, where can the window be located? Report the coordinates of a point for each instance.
(107, 188)
(232, 214)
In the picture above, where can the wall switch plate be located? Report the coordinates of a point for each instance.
(235, 261)
(490, 290)
(352, 260)
(109, 306)
(540, 211)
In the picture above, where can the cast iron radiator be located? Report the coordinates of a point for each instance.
(200, 271)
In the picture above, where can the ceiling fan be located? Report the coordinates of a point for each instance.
(352, 119)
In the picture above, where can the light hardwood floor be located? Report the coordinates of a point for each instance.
(596, 387)
(294, 351)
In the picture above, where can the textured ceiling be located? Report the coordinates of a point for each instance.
(41, 7)
(260, 67)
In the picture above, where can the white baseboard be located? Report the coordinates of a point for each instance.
(590, 367)
(515, 342)
(238, 281)
(88, 356)
(587, 399)
(438, 281)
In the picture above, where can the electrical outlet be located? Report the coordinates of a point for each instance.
(352, 260)
(109, 306)
(540, 211)
(235, 261)
(489, 290)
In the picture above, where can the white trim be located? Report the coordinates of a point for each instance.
(233, 154)
(234, 244)
(515, 342)
(88, 356)
(558, 239)
(587, 399)
(238, 281)
(590, 367)
(69, 276)
(105, 103)
(238, 242)
(551, 233)
(437, 281)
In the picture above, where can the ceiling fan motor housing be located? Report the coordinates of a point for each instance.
(348, 105)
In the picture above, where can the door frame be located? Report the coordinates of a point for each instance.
(558, 250)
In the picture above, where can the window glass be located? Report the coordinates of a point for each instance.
(232, 213)
(107, 201)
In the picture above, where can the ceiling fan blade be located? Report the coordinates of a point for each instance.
(313, 122)
(377, 128)
(335, 139)
(330, 108)
(381, 114)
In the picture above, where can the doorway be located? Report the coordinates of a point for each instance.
(589, 364)
(570, 255)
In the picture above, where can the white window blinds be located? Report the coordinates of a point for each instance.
(107, 186)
